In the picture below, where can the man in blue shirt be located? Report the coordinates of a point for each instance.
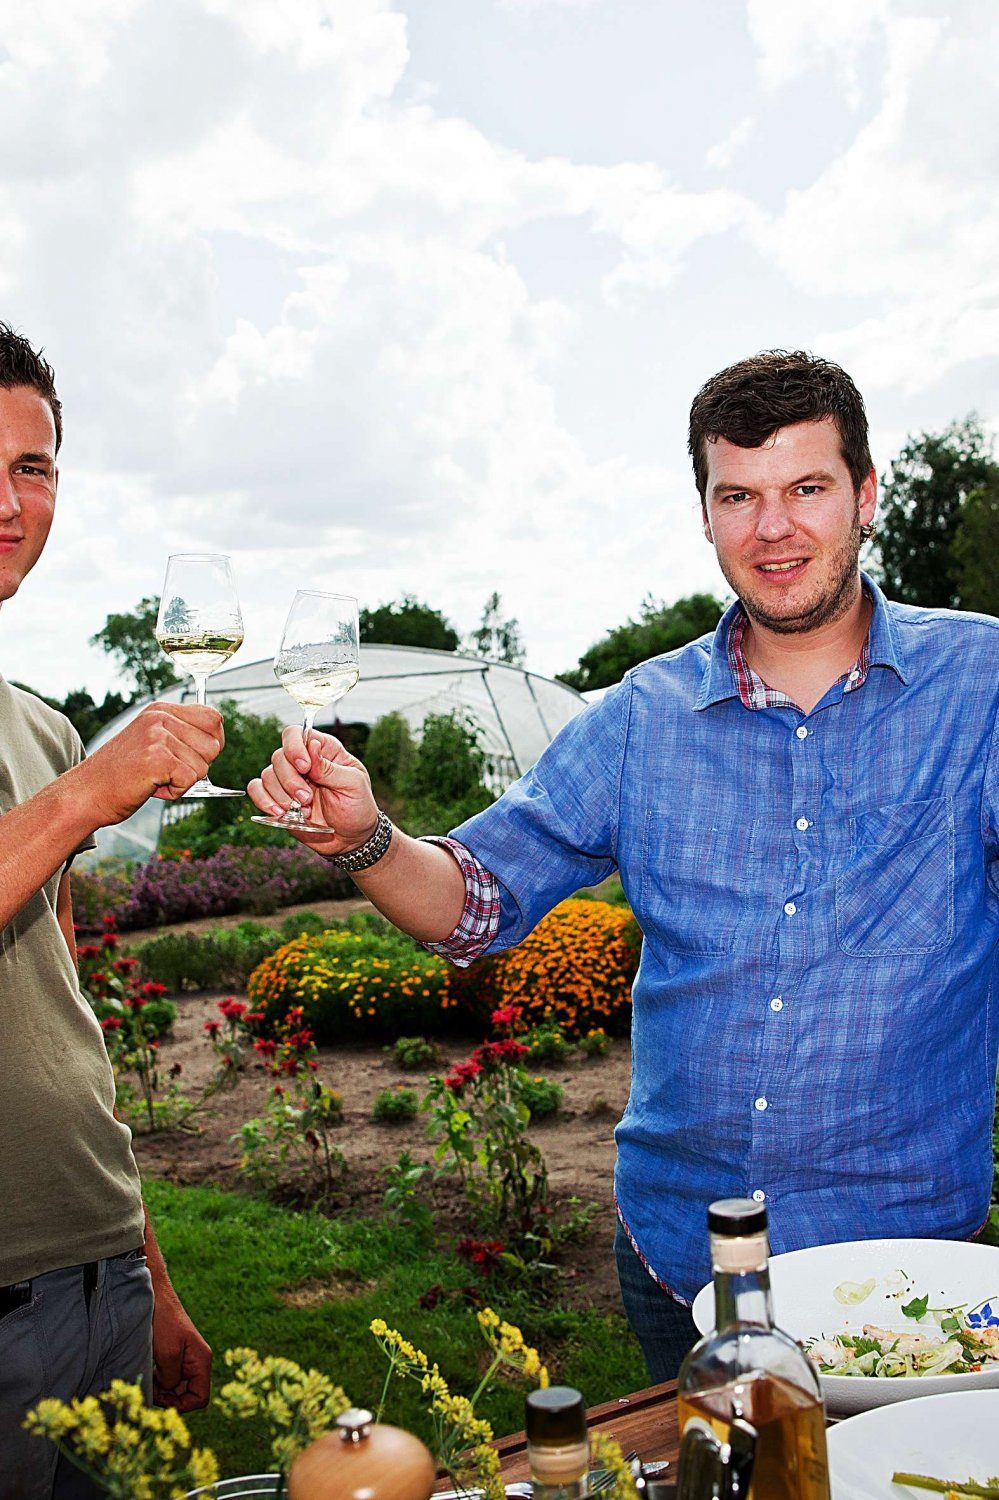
(804, 810)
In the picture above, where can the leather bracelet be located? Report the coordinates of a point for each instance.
(368, 853)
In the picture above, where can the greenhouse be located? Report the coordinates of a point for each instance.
(516, 712)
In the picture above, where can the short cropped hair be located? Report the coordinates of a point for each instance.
(748, 402)
(21, 365)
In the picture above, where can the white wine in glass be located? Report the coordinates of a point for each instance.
(317, 662)
(199, 627)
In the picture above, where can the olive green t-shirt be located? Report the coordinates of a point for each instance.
(69, 1188)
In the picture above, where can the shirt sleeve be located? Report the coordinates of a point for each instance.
(479, 921)
(555, 830)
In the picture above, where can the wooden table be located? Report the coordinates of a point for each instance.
(644, 1421)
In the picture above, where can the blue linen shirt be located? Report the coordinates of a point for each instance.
(815, 1012)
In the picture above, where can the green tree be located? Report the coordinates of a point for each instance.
(389, 753)
(925, 491)
(249, 743)
(496, 638)
(660, 627)
(445, 783)
(976, 547)
(129, 640)
(407, 622)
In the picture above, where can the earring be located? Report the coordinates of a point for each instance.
(866, 532)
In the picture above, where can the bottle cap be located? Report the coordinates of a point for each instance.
(555, 1415)
(737, 1217)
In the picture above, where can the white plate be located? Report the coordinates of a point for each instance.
(803, 1281)
(955, 1436)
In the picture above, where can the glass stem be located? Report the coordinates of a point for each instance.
(310, 715)
(201, 687)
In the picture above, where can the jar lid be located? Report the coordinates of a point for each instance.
(555, 1415)
(735, 1217)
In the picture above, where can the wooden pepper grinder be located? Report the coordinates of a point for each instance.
(362, 1460)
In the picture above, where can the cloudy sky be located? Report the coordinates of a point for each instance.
(412, 295)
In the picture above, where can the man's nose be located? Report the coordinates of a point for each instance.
(774, 521)
(10, 505)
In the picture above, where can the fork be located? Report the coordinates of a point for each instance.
(607, 1478)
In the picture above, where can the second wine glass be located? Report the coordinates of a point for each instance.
(317, 662)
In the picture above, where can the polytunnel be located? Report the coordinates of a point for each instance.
(516, 711)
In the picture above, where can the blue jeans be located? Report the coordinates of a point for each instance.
(664, 1328)
(75, 1334)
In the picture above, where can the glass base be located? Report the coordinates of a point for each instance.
(291, 825)
(204, 789)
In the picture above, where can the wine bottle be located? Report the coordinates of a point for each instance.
(750, 1409)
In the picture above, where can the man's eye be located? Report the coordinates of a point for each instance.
(735, 497)
(31, 469)
(809, 489)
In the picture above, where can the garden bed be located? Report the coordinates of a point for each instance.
(577, 1143)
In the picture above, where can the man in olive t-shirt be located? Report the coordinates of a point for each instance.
(84, 1295)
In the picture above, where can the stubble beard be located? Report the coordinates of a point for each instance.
(832, 604)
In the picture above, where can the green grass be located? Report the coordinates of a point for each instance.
(230, 1255)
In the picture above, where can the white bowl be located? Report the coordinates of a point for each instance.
(803, 1282)
(955, 1436)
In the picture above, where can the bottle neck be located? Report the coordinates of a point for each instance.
(743, 1297)
(742, 1281)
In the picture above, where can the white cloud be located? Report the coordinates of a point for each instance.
(723, 153)
(792, 36)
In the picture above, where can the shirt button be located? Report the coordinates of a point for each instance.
(802, 824)
(789, 908)
(759, 1195)
(760, 1104)
(854, 675)
(776, 1003)
(801, 732)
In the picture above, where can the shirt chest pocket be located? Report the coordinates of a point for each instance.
(695, 880)
(897, 894)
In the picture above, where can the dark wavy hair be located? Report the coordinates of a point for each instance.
(750, 401)
(21, 365)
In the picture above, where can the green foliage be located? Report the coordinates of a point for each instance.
(235, 1259)
(289, 1147)
(925, 492)
(595, 1043)
(129, 640)
(445, 785)
(402, 1201)
(394, 1105)
(360, 979)
(543, 1097)
(413, 1053)
(223, 958)
(976, 547)
(249, 743)
(546, 1043)
(496, 638)
(407, 622)
(389, 753)
(660, 627)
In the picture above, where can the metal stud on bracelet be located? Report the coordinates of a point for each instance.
(369, 853)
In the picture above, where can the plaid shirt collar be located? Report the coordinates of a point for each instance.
(729, 675)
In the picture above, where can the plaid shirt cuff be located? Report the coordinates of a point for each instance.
(479, 922)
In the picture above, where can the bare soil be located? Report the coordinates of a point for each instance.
(577, 1143)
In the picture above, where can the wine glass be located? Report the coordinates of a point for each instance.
(317, 662)
(199, 627)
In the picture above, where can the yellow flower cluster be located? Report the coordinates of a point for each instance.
(508, 1341)
(296, 1405)
(340, 979)
(605, 1453)
(132, 1450)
